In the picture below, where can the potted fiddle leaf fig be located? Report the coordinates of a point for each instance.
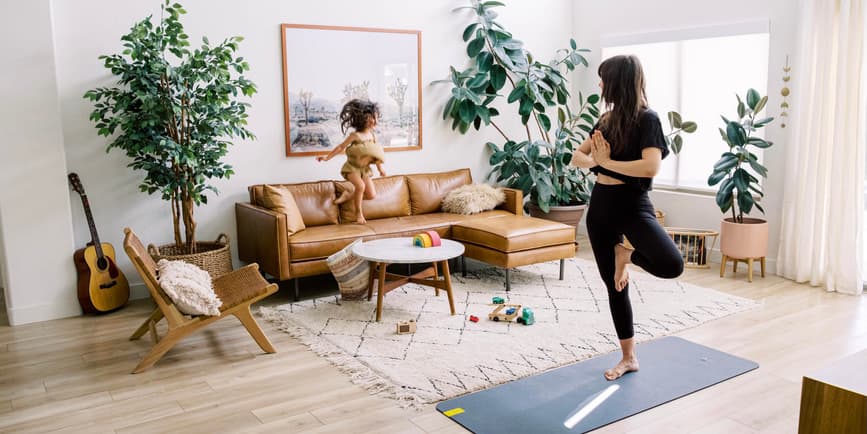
(737, 175)
(538, 162)
(172, 112)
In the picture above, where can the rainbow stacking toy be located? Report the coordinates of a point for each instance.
(426, 239)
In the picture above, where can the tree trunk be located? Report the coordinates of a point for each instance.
(189, 222)
(176, 218)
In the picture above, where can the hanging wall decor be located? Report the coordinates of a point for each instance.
(784, 106)
(326, 66)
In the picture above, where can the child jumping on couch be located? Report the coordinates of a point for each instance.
(362, 150)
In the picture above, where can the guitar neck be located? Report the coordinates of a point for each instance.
(94, 237)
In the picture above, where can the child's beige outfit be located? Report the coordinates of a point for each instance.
(357, 151)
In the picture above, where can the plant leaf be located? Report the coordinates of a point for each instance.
(475, 47)
(468, 32)
(752, 99)
(674, 119)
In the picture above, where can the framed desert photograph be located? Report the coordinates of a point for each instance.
(325, 66)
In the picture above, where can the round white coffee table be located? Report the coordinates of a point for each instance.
(387, 251)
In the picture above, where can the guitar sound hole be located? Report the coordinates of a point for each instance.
(102, 263)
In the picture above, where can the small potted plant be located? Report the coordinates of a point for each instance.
(172, 112)
(737, 175)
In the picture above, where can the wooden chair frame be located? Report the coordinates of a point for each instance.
(181, 325)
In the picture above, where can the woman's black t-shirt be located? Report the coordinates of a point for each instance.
(648, 135)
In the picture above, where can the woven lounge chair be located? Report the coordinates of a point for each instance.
(237, 289)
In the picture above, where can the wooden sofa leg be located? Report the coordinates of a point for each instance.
(562, 264)
(508, 284)
(463, 266)
(295, 280)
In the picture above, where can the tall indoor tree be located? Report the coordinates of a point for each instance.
(173, 110)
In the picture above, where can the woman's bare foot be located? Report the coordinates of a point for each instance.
(360, 220)
(625, 365)
(622, 258)
(344, 196)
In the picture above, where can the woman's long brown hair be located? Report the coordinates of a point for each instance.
(625, 97)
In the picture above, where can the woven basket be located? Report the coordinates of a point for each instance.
(695, 245)
(213, 257)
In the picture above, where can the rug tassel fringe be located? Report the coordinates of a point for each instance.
(359, 373)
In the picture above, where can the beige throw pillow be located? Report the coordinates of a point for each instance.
(279, 199)
(473, 199)
(189, 287)
(350, 271)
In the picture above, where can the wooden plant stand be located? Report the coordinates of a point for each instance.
(749, 261)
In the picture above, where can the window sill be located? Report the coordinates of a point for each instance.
(685, 190)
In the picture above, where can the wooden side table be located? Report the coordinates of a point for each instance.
(381, 253)
(834, 399)
(749, 261)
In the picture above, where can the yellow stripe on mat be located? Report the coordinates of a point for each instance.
(453, 412)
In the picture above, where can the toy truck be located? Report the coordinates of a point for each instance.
(505, 312)
(527, 317)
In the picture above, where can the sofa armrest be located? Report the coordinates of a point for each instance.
(514, 201)
(263, 238)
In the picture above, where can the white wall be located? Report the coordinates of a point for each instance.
(595, 19)
(35, 220)
(86, 29)
(38, 232)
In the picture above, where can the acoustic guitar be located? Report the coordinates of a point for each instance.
(102, 287)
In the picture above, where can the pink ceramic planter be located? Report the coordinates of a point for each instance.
(744, 240)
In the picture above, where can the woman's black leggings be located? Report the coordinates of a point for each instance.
(618, 210)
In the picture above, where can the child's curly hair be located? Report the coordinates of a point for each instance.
(355, 113)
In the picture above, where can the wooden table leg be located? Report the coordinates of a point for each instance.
(381, 291)
(370, 276)
(448, 280)
(437, 277)
(735, 265)
(722, 267)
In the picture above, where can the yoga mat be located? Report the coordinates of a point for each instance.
(577, 398)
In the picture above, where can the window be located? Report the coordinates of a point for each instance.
(697, 72)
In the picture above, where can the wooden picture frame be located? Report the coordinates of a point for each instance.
(325, 66)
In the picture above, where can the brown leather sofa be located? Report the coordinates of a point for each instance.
(404, 205)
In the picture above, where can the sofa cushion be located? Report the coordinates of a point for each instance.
(411, 225)
(473, 199)
(320, 242)
(315, 200)
(392, 200)
(278, 198)
(513, 233)
(426, 190)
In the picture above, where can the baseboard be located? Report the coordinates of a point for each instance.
(138, 291)
(41, 312)
(47, 312)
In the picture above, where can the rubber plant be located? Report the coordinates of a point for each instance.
(738, 169)
(173, 110)
(500, 68)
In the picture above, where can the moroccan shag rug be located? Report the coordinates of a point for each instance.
(449, 355)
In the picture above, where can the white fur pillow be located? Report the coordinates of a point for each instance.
(473, 199)
(189, 287)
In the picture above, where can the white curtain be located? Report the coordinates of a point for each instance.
(821, 236)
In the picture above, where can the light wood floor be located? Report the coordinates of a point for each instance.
(72, 375)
